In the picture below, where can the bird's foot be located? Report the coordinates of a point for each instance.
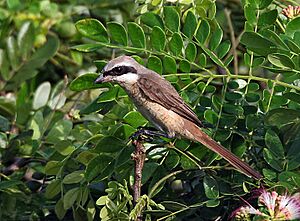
(147, 134)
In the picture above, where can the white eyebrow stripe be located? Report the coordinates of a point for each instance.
(124, 63)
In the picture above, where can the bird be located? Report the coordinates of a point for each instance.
(159, 102)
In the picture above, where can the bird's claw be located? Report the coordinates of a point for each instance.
(143, 135)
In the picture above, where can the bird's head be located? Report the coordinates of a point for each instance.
(122, 70)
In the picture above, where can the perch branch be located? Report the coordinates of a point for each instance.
(139, 157)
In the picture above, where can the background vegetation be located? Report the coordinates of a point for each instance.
(64, 145)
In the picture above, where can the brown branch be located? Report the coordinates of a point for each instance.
(139, 157)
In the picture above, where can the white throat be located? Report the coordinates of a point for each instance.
(127, 79)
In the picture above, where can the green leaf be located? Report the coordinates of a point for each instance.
(281, 60)
(257, 43)
(92, 29)
(47, 51)
(102, 200)
(185, 66)
(135, 119)
(38, 59)
(4, 65)
(211, 187)
(212, 56)
(176, 44)
(87, 47)
(26, 39)
(223, 49)
(292, 27)
(151, 19)
(52, 167)
(216, 38)
(228, 60)
(232, 96)
(85, 157)
(155, 64)
(171, 18)
(12, 52)
(202, 60)
(110, 95)
(59, 131)
(253, 86)
(57, 98)
(85, 82)
(264, 3)
(252, 97)
(91, 210)
(292, 46)
(211, 116)
(148, 170)
(136, 35)
(59, 209)
(118, 33)
(100, 64)
(70, 197)
(271, 159)
(258, 61)
(190, 25)
(281, 116)
(191, 52)
(293, 155)
(268, 18)
(292, 96)
(212, 203)
(100, 166)
(74, 177)
(41, 95)
(64, 147)
(109, 144)
(250, 14)
(233, 109)
(9, 183)
(4, 124)
(290, 177)
(158, 38)
(269, 174)
(274, 144)
(172, 160)
(124, 131)
(53, 189)
(203, 31)
(13, 4)
(169, 65)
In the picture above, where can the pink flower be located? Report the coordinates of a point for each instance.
(288, 207)
(291, 11)
(269, 200)
(279, 207)
(243, 212)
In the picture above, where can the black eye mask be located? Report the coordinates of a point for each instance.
(120, 70)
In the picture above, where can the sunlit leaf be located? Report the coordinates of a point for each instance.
(172, 19)
(93, 29)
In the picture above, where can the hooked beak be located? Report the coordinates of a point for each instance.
(102, 79)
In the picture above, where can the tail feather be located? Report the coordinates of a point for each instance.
(206, 140)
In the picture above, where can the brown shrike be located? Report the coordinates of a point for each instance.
(160, 103)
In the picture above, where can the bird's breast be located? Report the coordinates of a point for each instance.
(163, 119)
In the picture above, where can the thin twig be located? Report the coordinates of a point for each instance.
(139, 157)
(233, 41)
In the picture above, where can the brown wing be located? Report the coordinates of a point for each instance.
(161, 91)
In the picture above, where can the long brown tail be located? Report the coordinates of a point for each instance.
(207, 141)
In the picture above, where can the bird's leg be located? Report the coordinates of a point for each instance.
(148, 133)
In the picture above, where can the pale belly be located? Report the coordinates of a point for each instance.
(163, 119)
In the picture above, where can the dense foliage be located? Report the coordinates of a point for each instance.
(64, 141)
